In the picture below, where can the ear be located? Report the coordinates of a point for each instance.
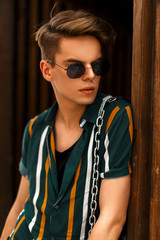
(46, 70)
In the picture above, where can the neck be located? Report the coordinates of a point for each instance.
(70, 115)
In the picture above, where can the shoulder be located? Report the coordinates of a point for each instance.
(118, 103)
(118, 111)
(40, 120)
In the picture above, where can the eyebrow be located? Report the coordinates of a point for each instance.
(69, 60)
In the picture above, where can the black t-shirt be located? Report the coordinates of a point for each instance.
(61, 159)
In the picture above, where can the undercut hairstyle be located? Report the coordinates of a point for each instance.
(71, 23)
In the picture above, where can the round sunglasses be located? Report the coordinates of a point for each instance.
(76, 70)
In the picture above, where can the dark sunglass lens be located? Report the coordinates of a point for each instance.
(75, 70)
(100, 67)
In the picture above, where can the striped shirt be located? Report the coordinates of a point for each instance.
(59, 214)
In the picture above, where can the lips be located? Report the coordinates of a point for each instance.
(87, 90)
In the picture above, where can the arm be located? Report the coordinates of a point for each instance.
(114, 198)
(16, 208)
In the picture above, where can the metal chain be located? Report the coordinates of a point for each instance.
(95, 175)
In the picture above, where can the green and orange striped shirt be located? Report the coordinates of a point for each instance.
(53, 213)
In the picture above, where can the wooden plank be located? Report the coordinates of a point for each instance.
(6, 111)
(19, 86)
(33, 63)
(45, 87)
(154, 233)
(138, 224)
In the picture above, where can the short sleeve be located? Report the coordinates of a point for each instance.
(25, 142)
(118, 144)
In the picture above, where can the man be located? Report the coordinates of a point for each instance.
(56, 197)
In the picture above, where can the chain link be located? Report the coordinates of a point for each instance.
(95, 175)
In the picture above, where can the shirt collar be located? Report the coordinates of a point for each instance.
(51, 113)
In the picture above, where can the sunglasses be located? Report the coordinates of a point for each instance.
(76, 70)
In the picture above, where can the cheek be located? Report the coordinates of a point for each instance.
(97, 80)
(62, 84)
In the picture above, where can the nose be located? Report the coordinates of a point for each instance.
(88, 74)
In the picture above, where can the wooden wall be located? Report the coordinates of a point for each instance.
(23, 94)
(6, 116)
(144, 211)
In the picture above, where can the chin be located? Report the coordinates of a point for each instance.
(87, 101)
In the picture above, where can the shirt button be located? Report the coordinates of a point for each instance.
(56, 207)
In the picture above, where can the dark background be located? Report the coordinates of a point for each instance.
(23, 91)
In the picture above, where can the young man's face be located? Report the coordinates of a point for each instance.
(82, 90)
